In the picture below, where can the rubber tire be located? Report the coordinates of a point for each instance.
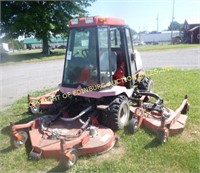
(118, 113)
(34, 109)
(133, 125)
(185, 109)
(161, 137)
(16, 143)
(64, 162)
(146, 84)
(34, 156)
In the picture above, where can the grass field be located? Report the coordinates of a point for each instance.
(32, 56)
(136, 153)
(36, 55)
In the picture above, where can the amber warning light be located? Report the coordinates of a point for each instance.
(101, 20)
(94, 21)
(88, 20)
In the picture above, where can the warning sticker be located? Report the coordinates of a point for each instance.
(69, 55)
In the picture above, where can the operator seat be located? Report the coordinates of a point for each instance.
(120, 71)
(113, 61)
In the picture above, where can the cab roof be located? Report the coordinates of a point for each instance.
(95, 21)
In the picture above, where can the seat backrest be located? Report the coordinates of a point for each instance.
(113, 61)
(121, 69)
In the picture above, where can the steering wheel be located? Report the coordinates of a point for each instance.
(85, 52)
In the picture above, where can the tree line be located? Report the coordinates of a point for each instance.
(41, 19)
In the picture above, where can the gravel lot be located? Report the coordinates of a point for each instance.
(18, 80)
(180, 58)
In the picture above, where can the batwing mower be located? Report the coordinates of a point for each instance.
(103, 89)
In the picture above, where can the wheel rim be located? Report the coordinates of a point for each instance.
(136, 126)
(124, 114)
(133, 126)
(35, 109)
(73, 161)
(151, 86)
(165, 137)
(162, 137)
(66, 162)
(18, 143)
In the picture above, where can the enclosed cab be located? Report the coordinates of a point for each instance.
(100, 73)
(99, 56)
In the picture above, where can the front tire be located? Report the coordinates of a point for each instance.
(118, 113)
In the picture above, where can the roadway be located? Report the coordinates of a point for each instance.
(17, 80)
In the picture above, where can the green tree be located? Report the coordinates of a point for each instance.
(174, 26)
(133, 32)
(40, 18)
(15, 44)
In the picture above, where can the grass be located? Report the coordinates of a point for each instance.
(36, 55)
(31, 56)
(136, 153)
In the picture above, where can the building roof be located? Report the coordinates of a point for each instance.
(36, 41)
(32, 41)
(194, 28)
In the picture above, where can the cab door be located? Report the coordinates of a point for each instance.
(129, 52)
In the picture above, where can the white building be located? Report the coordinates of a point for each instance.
(164, 36)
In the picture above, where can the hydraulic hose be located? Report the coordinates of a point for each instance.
(150, 94)
(79, 115)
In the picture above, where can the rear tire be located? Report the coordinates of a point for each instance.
(118, 113)
(146, 84)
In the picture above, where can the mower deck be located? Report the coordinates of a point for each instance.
(48, 143)
(55, 139)
(161, 120)
(154, 123)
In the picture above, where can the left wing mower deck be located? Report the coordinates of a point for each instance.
(64, 138)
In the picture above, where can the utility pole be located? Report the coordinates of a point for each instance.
(157, 19)
(172, 22)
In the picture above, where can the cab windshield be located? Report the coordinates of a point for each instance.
(82, 65)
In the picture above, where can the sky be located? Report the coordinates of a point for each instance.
(141, 15)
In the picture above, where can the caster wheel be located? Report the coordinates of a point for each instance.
(18, 143)
(34, 109)
(34, 156)
(185, 109)
(117, 139)
(133, 125)
(162, 137)
(66, 162)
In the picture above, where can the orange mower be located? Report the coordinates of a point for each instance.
(103, 89)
